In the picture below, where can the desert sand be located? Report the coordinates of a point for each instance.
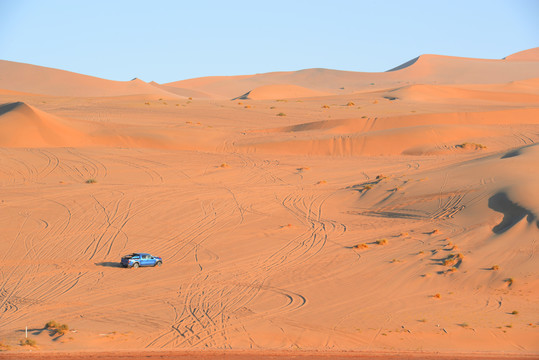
(316, 210)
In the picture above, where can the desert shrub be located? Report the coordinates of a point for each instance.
(62, 329)
(91, 181)
(224, 165)
(28, 342)
(51, 325)
(350, 103)
(361, 246)
(495, 267)
(514, 312)
(437, 296)
(471, 146)
(381, 242)
(281, 114)
(325, 106)
(453, 259)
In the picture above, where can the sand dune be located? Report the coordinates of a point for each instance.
(411, 134)
(439, 92)
(526, 55)
(22, 125)
(281, 91)
(426, 69)
(392, 211)
(47, 81)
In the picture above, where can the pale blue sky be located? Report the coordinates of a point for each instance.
(172, 40)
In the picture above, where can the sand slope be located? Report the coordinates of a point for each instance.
(22, 125)
(42, 80)
(281, 91)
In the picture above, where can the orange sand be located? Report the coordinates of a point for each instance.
(325, 210)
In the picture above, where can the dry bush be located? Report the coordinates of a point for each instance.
(224, 165)
(28, 342)
(350, 103)
(509, 281)
(91, 181)
(325, 106)
(62, 329)
(471, 146)
(247, 106)
(361, 246)
(321, 182)
(381, 242)
(281, 114)
(514, 312)
(453, 259)
(495, 267)
(437, 296)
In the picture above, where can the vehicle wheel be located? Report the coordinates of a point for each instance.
(136, 265)
(159, 263)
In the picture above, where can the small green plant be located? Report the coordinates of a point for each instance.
(91, 181)
(281, 114)
(28, 342)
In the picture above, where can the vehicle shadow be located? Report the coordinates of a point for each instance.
(109, 264)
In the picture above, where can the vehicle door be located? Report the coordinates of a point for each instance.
(145, 260)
